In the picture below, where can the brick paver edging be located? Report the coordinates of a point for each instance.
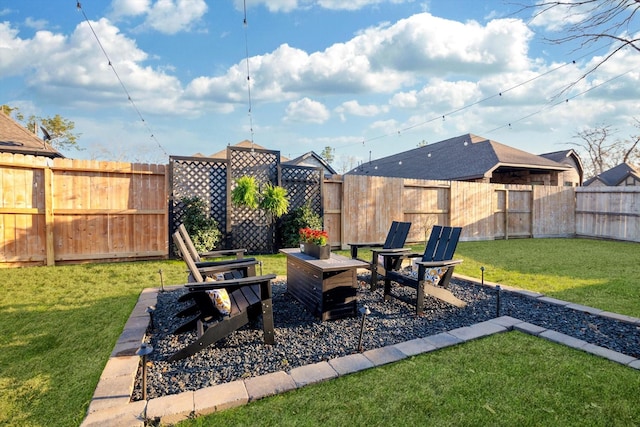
(111, 404)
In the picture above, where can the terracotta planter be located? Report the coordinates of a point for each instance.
(316, 251)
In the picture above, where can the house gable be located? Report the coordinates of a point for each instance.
(314, 160)
(14, 138)
(623, 174)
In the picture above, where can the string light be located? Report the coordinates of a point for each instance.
(246, 45)
(552, 105)
(496, 95)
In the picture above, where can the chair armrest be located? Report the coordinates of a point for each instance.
(366, 245)
(356, 246)
(403, 255)
(238, 253)
(225, 262)
(390, 251)
(229, 284)
(234, 265)
(446, 263)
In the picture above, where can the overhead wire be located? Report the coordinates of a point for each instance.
(124, 88)
(246, 44)
(496, 95)
(563, 101)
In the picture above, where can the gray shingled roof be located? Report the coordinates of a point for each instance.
(464, 157)
(14, 138)
(303, 160)
(615, 175)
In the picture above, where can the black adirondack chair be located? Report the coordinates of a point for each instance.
(250, 297)
(394, 243)
(199, 269)
(438, 254)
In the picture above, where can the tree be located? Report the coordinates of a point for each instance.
(346, 163)
(327, 154)
(601, 153)
(9, 111)
(57, 130)
(587, 22)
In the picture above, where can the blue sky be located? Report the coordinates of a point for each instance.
(369, 78)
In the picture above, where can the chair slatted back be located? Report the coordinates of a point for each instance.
(442, 243)
(182, 230)
(186, 255)
(397, 235)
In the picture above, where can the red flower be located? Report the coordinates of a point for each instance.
(318, 237)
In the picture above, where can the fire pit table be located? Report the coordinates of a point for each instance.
(326, 287)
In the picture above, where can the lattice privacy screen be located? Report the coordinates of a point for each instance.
(214, 179)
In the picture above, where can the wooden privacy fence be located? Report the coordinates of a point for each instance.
(608, 212)
(63, 211)
(486, 211)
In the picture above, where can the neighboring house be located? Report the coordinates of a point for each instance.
(222, 154)
(570, 178)
(468, 158)
(14, 138)
(622, 175)
(312, 159)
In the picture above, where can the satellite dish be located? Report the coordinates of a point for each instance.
(46, 136)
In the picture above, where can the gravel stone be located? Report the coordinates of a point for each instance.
(302, 339)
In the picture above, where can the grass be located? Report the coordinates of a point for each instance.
(60, 324)
(506, 380)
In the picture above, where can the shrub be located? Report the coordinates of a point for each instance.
(302, 217)
(202, 229)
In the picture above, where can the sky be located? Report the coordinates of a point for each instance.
(143, 80)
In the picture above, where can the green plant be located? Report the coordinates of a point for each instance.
(246, 192)
(274, 200)
(301, 217)
(202, 229)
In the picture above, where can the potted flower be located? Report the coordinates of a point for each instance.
(314, 243)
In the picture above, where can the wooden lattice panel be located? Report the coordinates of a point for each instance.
(250, 229)
(198, 177)
(303, 184)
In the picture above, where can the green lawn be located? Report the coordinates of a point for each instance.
(60, 324)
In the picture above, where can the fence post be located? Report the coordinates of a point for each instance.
(49, 217)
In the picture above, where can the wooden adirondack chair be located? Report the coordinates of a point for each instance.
(394, 242)
(200, 269)
(250, 297)
(437, 260)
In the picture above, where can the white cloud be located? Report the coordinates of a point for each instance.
(74, 70)
(164, 16)
(170, 17)
(308, 111)
(130, 7)
(36, 24)
(378, 60)
(560, 16)
(354, 108)
(19, 56)
(436, 46)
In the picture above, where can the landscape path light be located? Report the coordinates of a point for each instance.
(143, 352)
(364, 311)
